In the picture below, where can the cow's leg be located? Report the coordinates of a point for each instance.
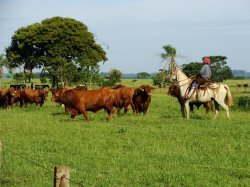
(208, 106)
(118, 111)
(21, 102)
(41, 104)
(133, 107)
(136, 108)
(6, 103)
(85, 114)
(65, 110)
(191, 106)
(110, 111)
(72, 116)
(145, 108)
(183, 110)
(73, 112)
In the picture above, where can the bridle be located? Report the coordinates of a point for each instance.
(171, 73)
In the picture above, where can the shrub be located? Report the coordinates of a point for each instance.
(244, 103)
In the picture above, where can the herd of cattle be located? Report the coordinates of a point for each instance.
(78, 100)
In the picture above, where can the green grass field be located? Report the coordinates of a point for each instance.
(158, 149)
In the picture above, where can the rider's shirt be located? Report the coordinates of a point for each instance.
(205, 71)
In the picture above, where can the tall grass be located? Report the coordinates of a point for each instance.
(158, 149)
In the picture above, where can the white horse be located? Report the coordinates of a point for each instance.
(214, 91)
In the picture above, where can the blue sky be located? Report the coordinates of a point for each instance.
(133, 32)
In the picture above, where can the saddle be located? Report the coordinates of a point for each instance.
(201, 83)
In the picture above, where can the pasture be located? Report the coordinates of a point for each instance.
(158, 149)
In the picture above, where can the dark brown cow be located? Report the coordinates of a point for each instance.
(174, 91)
(33, 96)
(6, 97)
(79, 102)
(142, 98)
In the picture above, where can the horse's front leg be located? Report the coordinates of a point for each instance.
(187, 108)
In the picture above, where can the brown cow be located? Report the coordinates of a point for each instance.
(123, 98)
(33, 96)
(6, 97)
(78, 87)
(61, 90)
(174, 91)
(79, 102)
(17, 97)
(142, 98)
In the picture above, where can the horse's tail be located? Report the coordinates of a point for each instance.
(230, 101)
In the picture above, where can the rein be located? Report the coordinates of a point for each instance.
(184, 80)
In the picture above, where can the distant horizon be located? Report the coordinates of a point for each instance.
(128, 73)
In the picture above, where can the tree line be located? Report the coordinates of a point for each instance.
(65, 52)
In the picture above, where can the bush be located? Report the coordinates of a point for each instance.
(18, 76)
(244, 103)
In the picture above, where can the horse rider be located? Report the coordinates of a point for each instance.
(201, 78)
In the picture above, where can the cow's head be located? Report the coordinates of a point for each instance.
(55, 97)
(148, 89)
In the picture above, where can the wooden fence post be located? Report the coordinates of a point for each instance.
(61, 176)
(238, 86)
(1, 160)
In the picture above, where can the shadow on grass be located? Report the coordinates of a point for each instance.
(58, 114)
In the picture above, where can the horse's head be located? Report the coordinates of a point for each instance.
(172, 71)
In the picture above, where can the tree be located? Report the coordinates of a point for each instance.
(3, 63)
(169, 54)
(65, 71)
(89, 76)
(158, 81)
(192, 68)
(143, 75)
(53, 43)
(113, 77)
(220, 71)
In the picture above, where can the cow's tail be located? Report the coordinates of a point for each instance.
(229, 97)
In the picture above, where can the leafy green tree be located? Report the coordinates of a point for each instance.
(53, 43)
(220, 71)
(65, 70)
(168, 55)
(18, 77)
(89, 76)
(143, 75)
(3, 62)
(192, 68)
(158, 81)
(114, 76)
